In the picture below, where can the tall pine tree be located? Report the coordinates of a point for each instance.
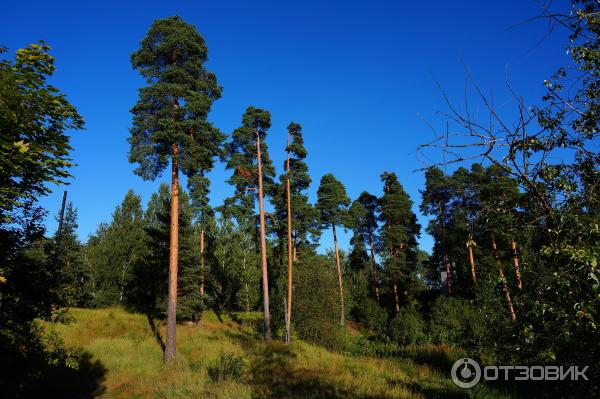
(398, 236)
(253, 172)
(170, 123)
(332, 204)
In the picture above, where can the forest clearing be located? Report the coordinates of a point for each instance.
(228, 359)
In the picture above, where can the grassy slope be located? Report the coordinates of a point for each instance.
(126, 346)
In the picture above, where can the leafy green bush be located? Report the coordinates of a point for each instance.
(407, 327)
(316, 311)
(228, 367)
(456, 321)
(372, 316)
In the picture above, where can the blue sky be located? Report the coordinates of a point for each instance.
(359, 76)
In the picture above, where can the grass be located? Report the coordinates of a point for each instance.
(131, 354)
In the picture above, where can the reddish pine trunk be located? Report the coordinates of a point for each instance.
(507, 297)
(170, 349)
(288, 318)
(263, 245)
(448, 274)
(339, 272)
(372, 245)
(396, 298)
(472, 263)
(516, 263)
(202, 262)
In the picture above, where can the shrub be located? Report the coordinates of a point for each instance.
(455, 321)
(228, 367)
(372, 316)
(316, 311)
(407, 327)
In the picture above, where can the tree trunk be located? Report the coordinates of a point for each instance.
(507, 297)
(288, 318)
(170, 349)
(202, 261)
(516, 263)
(395, 286)
(448, 274)
(471, 261)
(263, 245)
(446, 260)
(339, 272)
(373, 265)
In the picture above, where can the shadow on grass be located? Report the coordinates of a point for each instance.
(439, 358)
(273, 375)
(246, 340)
(34, 379)
(155, 332)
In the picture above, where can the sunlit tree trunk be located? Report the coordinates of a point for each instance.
(339, 272)
(263, 245)
(170, 350)
(288, 318)
(516, 263)
(507, 297)
(470, 245)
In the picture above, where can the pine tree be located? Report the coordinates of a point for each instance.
(241, 157)
(247, 155)
(332, 204)
(304, 216)
(170, 123)
(398, 235)
(115, 250)
(296, 218)
(147, 288)
(364, 214)
(435, 202)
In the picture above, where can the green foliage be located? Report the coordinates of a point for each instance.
(173, 108)
(229, 366)
(241, 158)
(407, 327)
(38, 275)
(75, 273)
(34, 120)
(116, 250)
(456, 321)
(304, 216)
(315, 306)
(332, 202)
(372, 316)
(146, 288)
(398, 236)
(234, 275)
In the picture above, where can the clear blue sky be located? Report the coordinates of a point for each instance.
(359, 77)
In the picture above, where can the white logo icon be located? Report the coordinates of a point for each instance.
(469, 374)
